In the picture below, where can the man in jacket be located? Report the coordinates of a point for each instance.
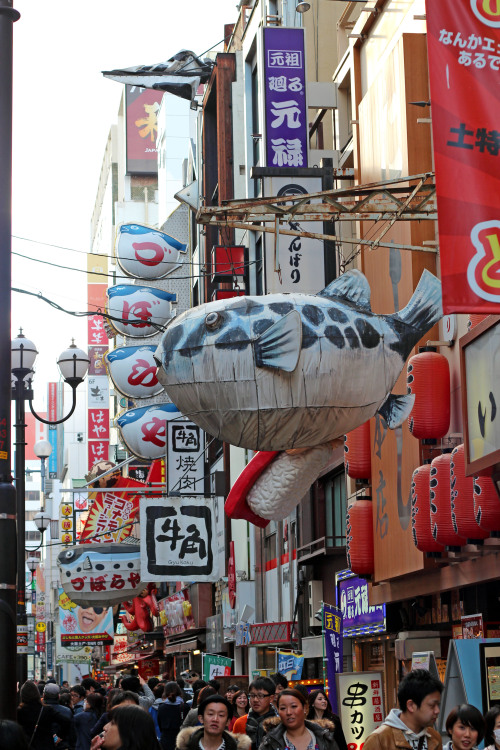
(213, 714)
(64, 726)
(411, 726)
(261, 693)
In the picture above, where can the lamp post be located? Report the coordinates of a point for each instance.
(73, 365)
(42, 450)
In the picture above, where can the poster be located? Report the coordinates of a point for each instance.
(178, 539)
(216, 666)
(112, 514)
(290, 664)
(332, 633)
(84, 625)
(176, 613)
(464, 63)
(361, 707)
(472, 626)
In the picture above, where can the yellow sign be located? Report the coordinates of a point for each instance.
(41, 627)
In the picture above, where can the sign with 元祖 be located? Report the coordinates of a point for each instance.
(357, 613)
(290, 664)
(464, 66)
(138, 311)
(332, 633)
(133, 371)
(147, 253)
(216, 666)
(361, 707)
(178, 539)
(285, 97)
(185, 459)
(144, 429)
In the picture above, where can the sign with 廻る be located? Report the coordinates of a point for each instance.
(185, 459)
(361, 707)
(178, 539)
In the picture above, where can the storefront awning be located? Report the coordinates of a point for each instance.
(190, 644)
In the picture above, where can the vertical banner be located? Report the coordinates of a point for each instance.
(142, 107)
(285, 97)
(361, 708)
(332, 633)
(464, 64)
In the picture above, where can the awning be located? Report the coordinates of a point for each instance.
(181, 647)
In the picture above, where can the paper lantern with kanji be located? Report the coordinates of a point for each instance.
(420, 511)
(357, 452)
(486, 504)
(462, 499)
(440, 493)
(428, 377)
(359, 535)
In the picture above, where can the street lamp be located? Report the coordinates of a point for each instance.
(42, 450)
(73, 365)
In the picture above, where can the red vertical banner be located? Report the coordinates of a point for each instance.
(464, 65)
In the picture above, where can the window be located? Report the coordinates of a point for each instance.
(335, 510)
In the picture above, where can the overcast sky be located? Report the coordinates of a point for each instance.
(63, 109)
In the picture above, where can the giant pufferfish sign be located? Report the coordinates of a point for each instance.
(292, 373)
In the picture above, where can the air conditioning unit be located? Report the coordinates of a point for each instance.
(314, 601)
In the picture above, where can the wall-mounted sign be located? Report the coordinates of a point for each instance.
(84, 625)
(138, 311)
(133, 371)
(142, 107)
(358, 615)
(216, 666)
(178, 539)
(176, 613)
(361, 707)
(144, 430)
(285, 97)
(185, 459)
(146, 253)
(112, 514)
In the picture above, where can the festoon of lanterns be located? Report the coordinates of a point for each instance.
(357, 452)
(462, 500)
(428, 378)
(421, 512)
(359, 536)
(442, 527)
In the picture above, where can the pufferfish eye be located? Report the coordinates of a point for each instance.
(213, 320)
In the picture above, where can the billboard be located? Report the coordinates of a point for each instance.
(464, 65)
(142, 107)
(84, 625)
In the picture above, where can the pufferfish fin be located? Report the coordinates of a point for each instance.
(396, 409)
(352, 287)
(279, 346)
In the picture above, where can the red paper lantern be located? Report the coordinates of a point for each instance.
(440, 494)
(474, 320)
(420, 511)
(357, 452)
(428, 377)
(359, 534)
(486, 504)
(462, 499)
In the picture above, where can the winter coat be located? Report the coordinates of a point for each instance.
(84, 721)
(170, 717)
(254, 726)
(189, 738)
(28, 715)
(191, 719)
(275, 737)
(391, 735)
(154, 713)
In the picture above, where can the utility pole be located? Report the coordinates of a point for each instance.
(8, 545)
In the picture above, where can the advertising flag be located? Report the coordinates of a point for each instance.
(332, 633)
(464, 64)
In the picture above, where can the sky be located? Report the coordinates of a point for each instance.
(63, 109)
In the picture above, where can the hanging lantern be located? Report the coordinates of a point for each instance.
(474, 320)
(359, 534)
(357, 452)
(486, 504)
(428, 378)
(440, 496)
(462, 499)
(420, 511)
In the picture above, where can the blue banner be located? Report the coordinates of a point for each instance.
(332, 634)
(52, 460)
(290, 665)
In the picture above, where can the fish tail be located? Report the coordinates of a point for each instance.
(424, 308)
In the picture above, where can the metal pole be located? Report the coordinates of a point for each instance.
(22, 661)
(8, 549)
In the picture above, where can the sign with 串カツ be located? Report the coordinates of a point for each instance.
(133, 371)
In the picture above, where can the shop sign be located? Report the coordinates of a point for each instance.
(84, 625)
(231, 576)
(176, 613)
(216, 666)
(359, 617)
(185, 459)
(214, 633)
(22, 639)
(138, 311)
(112, 514)
(133, 371)
(178, 539)
(242, 632)
(290, 664)
(332, 633)
(144, 430)
(472, 626)
(146, 253)
(361, 707)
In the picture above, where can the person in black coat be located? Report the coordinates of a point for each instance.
(171, 714)
(38, 720)
(86, 719)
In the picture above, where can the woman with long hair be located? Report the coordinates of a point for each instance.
(128, 728)
(465, 727)
(294, 731)
(492, 728)
(171, 714)
(241, 706)
(320, 708)
(93, 708)
(38, 719)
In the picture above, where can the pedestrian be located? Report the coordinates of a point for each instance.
(139, 686)
(171, 714)
(77, 693)
(12, 736)
(411, 726)
(87, 719)
(232, 689)
(465, 727)
(38, 720)
(292, 731)
(214, 713)
(116, 697)
(51, 697)
(128, 728)
(261, 694)
(158, 694)
(320, 708)
(240, 706)
(192, 718)
(492, 728)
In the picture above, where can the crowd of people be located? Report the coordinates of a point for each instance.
(173, 715)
